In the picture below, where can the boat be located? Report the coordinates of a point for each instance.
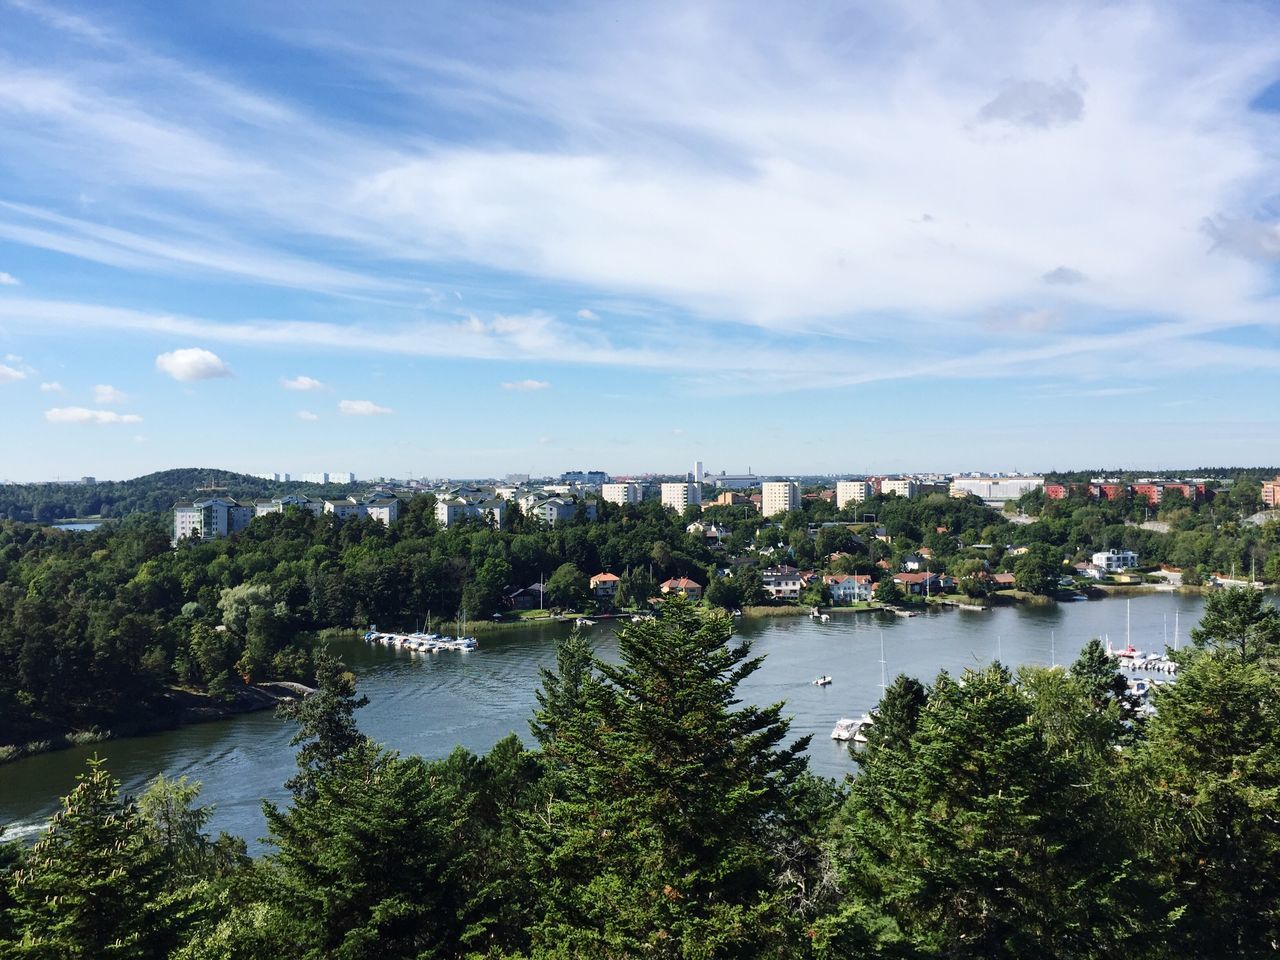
(844, 729)
(864, 725)
(823, 681)
(584, 622)
(825, 618)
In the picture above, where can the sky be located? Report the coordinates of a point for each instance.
(462, 240)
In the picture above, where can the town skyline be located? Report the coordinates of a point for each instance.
(503, 238)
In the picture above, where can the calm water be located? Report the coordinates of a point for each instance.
(77, 524)
(428, 704)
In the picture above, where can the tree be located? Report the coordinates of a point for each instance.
(93, 885)
(327, 728)
(568, 587)
(1037, 571)
(983, 840)
(896, 717)
(656, 836)
(971, 576)
(174, 825)
(367, 866)
(887, 591)
(1241, 621)
(635, 587)
(1212, 767)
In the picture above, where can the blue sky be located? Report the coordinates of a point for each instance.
(465, 240)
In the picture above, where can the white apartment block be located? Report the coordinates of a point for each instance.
(262, 507)
(994, 490)
(852, 491)
(210, 518)
(450, 510)
(902, 486)
(679, 496)
(315, 478)
(621, 493)
(779, 496)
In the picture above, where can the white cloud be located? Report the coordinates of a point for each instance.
(10, 374)
(53, 386)
(1033, 103)
(585, 314)
(8, 280)
(85, 415)
(1064, 276)
(526, 385)
(12, 358)
(301, 383)
(192, 363)
(361, 408)
(308, 416)
(105, 393)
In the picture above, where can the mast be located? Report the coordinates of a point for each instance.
(1128, 640)
(1053, 649)
(883, 676)
(1175, 629)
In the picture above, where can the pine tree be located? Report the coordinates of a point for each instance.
(981, 840)
(1240, 621)
(93, 886)
(367, 862)
(327, 726)
(656, 839)
(896, 717)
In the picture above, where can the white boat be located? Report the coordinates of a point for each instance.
(825, 618)
(860, 731)
(823, 681)
(845, 729)
(584, 622)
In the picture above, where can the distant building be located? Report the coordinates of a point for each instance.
(994, 490)
(779, 496)
(588, 478)
(1113, 560)
(621, 493)
(849, 588)
(556, 510)
(1271, 492)
(451, 510)
(902, 486)
(782, 583)
(690, 588)
(274, 477)
(210, 518)
(262, 507)
(605, 586)
(735, 481)
(679, 496)
(697, 472)
(851, 491)
(730, 499)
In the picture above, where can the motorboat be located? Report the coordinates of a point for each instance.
(823, 681)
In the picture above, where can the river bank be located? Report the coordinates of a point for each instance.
(179, 707)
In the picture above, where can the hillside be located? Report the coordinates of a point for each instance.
(153, 492)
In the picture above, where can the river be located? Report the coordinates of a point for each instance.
(429, 704)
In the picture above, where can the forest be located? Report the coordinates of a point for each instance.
(99, 628)
(995, 814)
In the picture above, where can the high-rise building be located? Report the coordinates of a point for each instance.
(697, 472)
(851, 491)
(680, 495)
(620, 492)
(779, 496)
(902, 486)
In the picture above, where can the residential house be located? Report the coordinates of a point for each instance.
(783, 582)
(925, 584)
(849, 587)
(1115, 559)
(605, 586)
(683, 585)
(532, 597)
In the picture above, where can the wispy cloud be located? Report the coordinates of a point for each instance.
(105, 393)
(192, 363)
(8, 280)
(9, 374)
(308, 416)
(52, 386)
(361, 408)
(301, 383)
(85, 415)
(585, 314)
(526, 386)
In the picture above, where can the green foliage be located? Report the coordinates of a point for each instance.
(887, 591)
(94, 885)
(568, 588)
(1037, 570)
(662, 796)
(1240, 621)
(327, 729)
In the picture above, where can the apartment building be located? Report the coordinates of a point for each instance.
(210, 518)
(620, 493)
(679, 496)
(852, 491)
(902, 486)
(779, 496)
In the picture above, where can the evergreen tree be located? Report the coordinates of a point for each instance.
(326, 723)
(656, 836)
(1240, 620)
(93, 886)
(1212, 759)
(983, 841)
(896, 717)
(367, 863)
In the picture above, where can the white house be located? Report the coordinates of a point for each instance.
(782, 583)
(848, 587)
(210, 519)
(1114, 559)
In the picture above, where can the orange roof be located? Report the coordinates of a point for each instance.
(601, 577)
(681, 583)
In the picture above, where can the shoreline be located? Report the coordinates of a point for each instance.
(180, 707)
